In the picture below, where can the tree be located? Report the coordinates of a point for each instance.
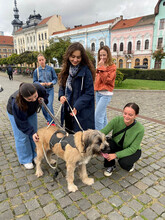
(158, 55)
(57, 49)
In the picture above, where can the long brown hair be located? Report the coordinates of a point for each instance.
(109, 61)
(25, 90)
(66, 63)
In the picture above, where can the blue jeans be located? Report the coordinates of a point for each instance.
(25, 145)
(49, 105)
(100, 112)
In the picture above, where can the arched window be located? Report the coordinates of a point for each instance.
(101, 44)
(120, 63)
(137, 62)
(129, 47)
(145, 61)
(93, 47)
(146, 44)
(121, 46)
(138, 45)
(114, 47)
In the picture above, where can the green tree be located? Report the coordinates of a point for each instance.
(158, 55)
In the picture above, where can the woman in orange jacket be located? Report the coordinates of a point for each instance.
(104, 85)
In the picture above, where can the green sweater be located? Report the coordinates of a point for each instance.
(133, 136)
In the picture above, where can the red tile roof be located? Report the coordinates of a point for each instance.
(6, 40)
(85, 26)
(45, 20)
(126, 23)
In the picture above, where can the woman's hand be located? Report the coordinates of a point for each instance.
(40, 100)
(111, 157)
(35, 137)
(75, 112)
(101, 63)
(62, 99)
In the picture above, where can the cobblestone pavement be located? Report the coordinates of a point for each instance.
(137, 195)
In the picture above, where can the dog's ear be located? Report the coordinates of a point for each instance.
(87, 142)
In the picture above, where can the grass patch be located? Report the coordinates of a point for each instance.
(142, 84)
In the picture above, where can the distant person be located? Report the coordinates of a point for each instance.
(10, 72)
(22, 110)
(104, 85)
(46, 76)
(76, 88)
(127, 135)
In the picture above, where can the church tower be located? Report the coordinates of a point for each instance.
(16, 22)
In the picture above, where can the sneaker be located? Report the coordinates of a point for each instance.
(132, 169)
(53, 124)
(34, 160)
(109, 171)
(28, 166)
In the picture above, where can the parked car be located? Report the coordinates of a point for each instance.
(141, 67)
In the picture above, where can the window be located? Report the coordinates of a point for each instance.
(129, 47)
(121, 46)
(93, 47)
(9, 50)
(5, 50)
(45, 36)
(42, 36)
(39, 37)
(42, 47)
(101, 44)
(114, 47)
(138, 45)
(27, 40)
(137, 62)
(145, 61)
(146, 47)
(120, 63)
(162, 24)
(31, 39)
(160, 41)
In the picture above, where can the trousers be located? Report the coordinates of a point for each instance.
(25, 146)
(126, 162)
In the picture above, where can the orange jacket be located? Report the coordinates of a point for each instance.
(105, 78)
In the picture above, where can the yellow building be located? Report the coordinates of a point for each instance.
(6, 46)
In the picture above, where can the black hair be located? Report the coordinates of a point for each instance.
(134, 106)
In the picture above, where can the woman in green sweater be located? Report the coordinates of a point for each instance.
(124, 146)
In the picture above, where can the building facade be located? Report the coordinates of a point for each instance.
(91, 36)
(34, 34)
(159, 33)
(131, 42)
(6, 46)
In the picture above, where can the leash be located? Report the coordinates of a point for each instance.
(74, 115)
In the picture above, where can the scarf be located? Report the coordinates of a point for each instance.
(73, 70)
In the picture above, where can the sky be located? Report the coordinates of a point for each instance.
(74, 12)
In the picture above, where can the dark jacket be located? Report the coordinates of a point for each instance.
(82, 99)
(21, 117)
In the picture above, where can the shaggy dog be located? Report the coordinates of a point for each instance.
(87, 144)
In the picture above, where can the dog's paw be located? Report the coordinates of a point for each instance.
(72, 188)
(39, 173)
(52, 161)
(88, 181)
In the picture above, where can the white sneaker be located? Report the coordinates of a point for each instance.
(132, 169)
(28, 166)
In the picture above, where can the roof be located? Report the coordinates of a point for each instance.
(134, 22)
(157, 7)
(6, 40)
(85, 26)
(44, 21)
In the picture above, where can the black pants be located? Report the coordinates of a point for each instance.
(11, 76)
(69, 122)
(126, 162)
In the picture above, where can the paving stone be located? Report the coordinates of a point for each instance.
(24, 188)
(126, 211)
(124, 183)
(20, 209)
(4, 206)
(13, 192)
(97, 186)
(37, 214)
(147, 181)
(59, 193)
(104, 208)
(16, 201)
(76, 196)
(84, 204)
(115, 201)
(32, 204)
(149, 214)
(95, 198)
(152, 192)
(50, 209)
(106, 192)
(7, 215)
(125, 196)
(65, 201)
(159, 209)
(134, 190)
(87, 190)
(41, 190)
(162, 200)
(135, 205)
(58, 216)
(28, 195)
(115, 216)
(115, 187)
(81, 217)
(2, 189)
(92, 214)
(71, 211)
(3, 196)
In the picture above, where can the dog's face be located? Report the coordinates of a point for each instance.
(94, 142)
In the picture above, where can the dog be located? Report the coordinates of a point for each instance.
(88, 143)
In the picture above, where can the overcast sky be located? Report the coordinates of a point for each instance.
(74, 12)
